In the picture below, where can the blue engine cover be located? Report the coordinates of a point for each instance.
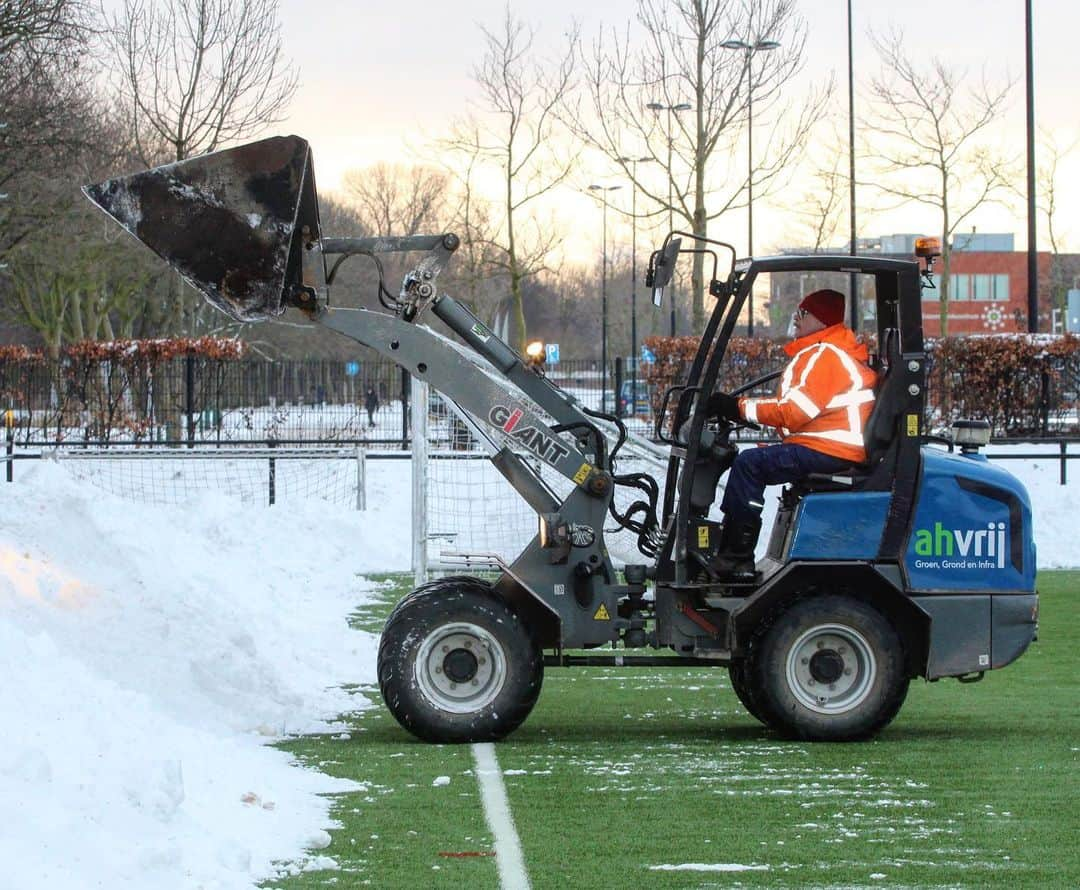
(840, 525)
(972, 528)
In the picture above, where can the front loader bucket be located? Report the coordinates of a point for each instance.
(234, 223)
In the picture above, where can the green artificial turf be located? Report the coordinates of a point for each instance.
(620, 771)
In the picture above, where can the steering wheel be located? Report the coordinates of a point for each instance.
(746, 387)
(757, 381)
(744, 425)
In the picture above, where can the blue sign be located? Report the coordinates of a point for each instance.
(551, 353)
(647, 355)
(352, 369)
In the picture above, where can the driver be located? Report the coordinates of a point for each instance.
(824, 398)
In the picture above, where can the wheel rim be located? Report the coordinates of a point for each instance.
(460, 668)
(831, 668)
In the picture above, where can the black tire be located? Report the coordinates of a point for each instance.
(739, 683)
(829, 668)
(456, 664)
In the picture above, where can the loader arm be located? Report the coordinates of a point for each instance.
(242, 226)
(427, 356)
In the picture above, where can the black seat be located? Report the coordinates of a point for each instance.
(881, 433)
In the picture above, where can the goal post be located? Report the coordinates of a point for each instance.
(418, 435)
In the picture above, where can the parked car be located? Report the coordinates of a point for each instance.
(641, 402)
(640, 398)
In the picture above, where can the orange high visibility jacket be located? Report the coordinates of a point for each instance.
(826, 394)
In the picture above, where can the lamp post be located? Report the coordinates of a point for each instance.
(603, 190)
(670, 109)
(633, 162)
(1033, 258)
(750, 49)
(853, 240)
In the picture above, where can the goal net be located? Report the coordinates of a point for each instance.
(463, 505)
(251, 475)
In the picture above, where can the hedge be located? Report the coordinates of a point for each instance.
(100, 387)
(1024, 384)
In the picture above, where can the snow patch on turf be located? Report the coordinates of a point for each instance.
(149, 654)
(708, 866)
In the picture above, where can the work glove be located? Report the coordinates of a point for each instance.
(720, 404)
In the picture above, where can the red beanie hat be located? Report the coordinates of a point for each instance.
(827, 306)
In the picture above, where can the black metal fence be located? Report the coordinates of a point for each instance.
(194, 399)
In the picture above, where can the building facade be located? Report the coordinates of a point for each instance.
(987, 290)
(987, 293)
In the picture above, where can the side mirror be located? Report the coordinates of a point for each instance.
(661, 268)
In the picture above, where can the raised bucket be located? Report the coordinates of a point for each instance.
(234, 223)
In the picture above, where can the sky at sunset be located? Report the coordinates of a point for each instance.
(380, 82)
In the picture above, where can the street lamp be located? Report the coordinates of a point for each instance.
(750, 49)
(603, 190)
(853, 246)
(1033, 258)
(633, 162)
(658, 107)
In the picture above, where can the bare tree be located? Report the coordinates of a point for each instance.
(1048, 192)
(476, 272)
(513, 132)
(928, 142)
(682, 61)
(392, 199)
(194, 75)
(1062, 271)
(820, 211)
(74, 291)
(45, 116)
(197, 74)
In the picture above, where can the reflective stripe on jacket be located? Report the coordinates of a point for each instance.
(825, 395)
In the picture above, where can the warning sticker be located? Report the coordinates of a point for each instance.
(582, 474)
(602, 614)
(703, 537)
(913, 424)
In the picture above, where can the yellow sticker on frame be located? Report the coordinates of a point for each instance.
(913, 424)
(703, 537)
(582, 474)
(602, 614)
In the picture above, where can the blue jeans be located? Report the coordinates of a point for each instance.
(755, 468)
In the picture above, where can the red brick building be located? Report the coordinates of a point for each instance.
(987, 293)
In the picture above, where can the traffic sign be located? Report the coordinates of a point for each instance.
(551, 353)
(647, 355)
(352, 369)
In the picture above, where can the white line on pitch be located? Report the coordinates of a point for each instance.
(512, 874)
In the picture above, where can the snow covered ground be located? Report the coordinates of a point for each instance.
(1053, 504)
(149, 653)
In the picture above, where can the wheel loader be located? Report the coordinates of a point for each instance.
(918, 563)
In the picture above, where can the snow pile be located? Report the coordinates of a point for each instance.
(148, 655)
(1053, 505)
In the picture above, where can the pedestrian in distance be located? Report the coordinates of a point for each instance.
(371, 405)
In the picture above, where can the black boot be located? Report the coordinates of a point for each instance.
(735, 557)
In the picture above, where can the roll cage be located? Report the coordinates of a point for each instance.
(898, 291)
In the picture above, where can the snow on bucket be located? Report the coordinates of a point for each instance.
(234, 223)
